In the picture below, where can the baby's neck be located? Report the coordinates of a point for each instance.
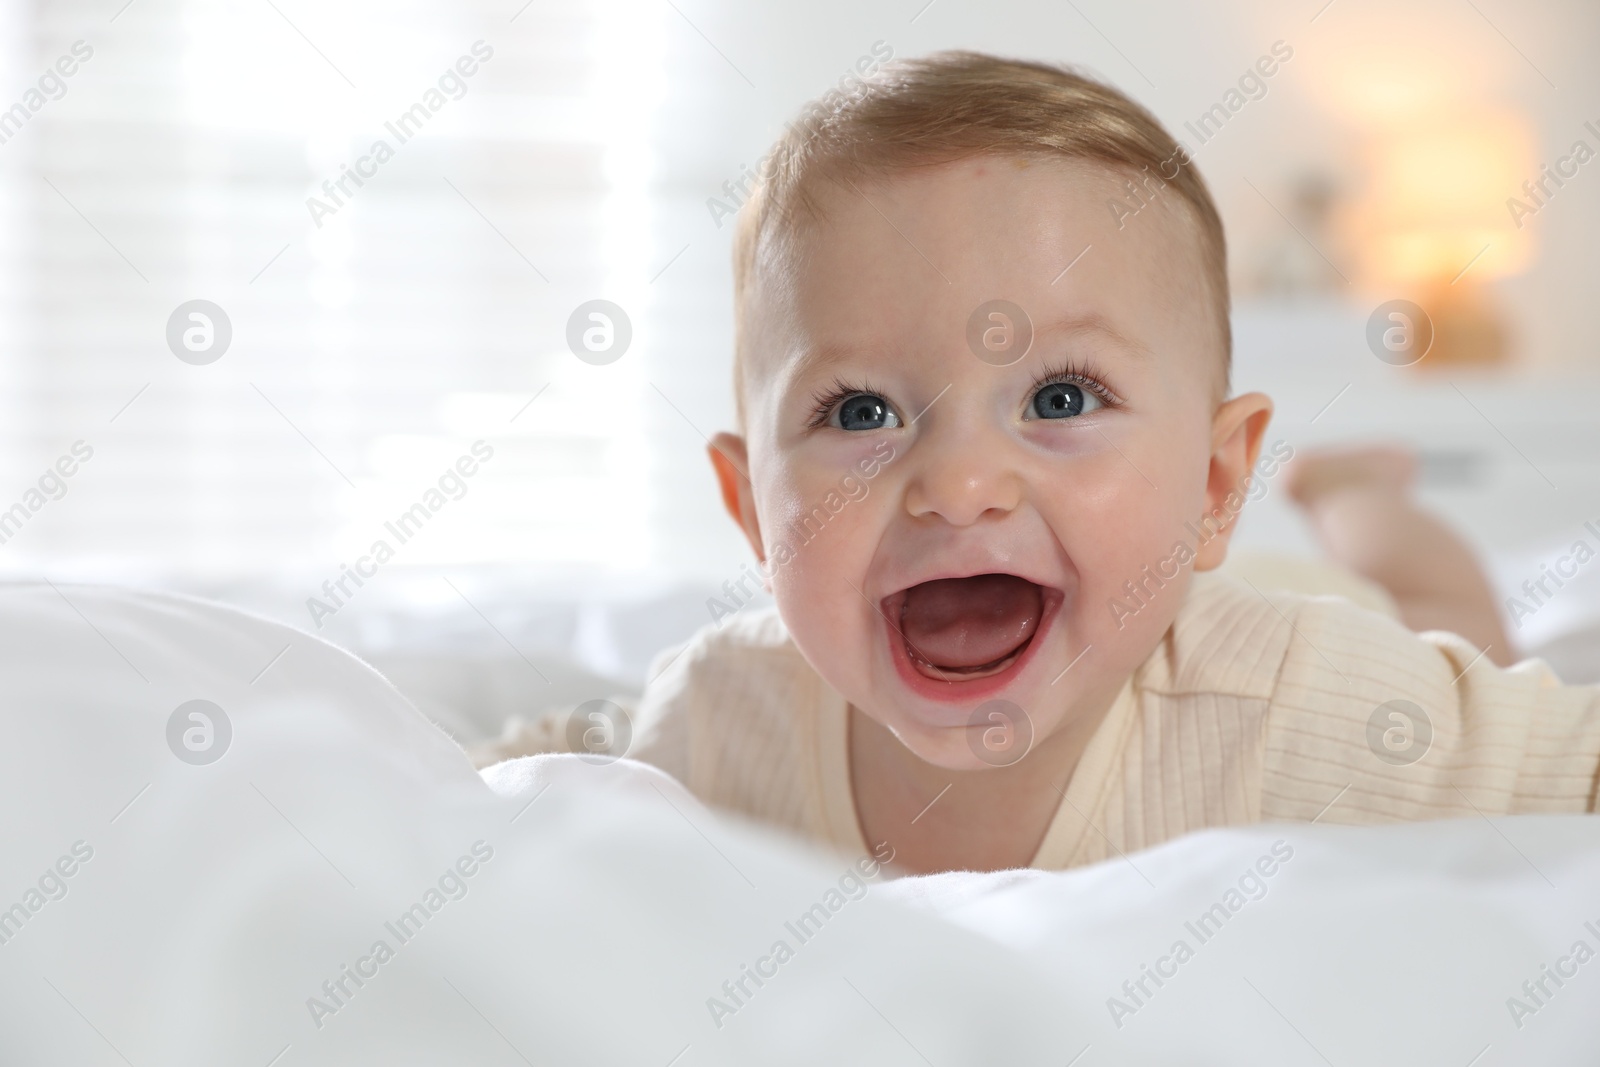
(943, 820)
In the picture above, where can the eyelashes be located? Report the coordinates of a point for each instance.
(1082, 373)
(838, 391)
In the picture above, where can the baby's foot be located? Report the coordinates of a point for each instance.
(1315, 473)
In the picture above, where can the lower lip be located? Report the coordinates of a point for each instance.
(966, 694)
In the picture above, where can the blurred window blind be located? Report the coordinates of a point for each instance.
(367, 353)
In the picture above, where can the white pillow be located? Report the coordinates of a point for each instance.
(208, 903)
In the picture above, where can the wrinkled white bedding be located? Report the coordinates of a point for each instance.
(233, 910)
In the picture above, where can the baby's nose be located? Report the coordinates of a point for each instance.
(960, 473)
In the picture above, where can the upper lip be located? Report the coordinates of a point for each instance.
(898, 580)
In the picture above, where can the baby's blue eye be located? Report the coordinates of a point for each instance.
(863, 411)
(1063, 400)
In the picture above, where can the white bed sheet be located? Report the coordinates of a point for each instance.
(219, 897)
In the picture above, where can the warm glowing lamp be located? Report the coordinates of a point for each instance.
(1435, 226)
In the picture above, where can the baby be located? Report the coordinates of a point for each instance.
(987, 456)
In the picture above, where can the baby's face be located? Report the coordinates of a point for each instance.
(941, 530)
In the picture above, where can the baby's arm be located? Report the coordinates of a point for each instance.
(1361, 505)
(1371, 723)
(653, 729)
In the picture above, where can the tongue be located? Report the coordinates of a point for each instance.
(962, 623)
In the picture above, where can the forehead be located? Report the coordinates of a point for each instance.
(904, 259)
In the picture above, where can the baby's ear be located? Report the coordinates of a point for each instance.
(731, 460)
(1236, 433)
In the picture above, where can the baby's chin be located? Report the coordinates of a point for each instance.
(993, 736)
(953, 752)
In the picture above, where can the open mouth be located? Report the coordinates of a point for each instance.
(962, 630)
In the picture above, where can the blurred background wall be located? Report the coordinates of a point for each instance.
(586, 158)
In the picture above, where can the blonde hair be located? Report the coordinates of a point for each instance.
(954, 105)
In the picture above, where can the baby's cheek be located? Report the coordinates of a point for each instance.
(819, 597)
(819, 546)
(1131, 571)
(817, 552)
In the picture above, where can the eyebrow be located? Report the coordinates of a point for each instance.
(1093, 323)
(827, 354)
(821, 357)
